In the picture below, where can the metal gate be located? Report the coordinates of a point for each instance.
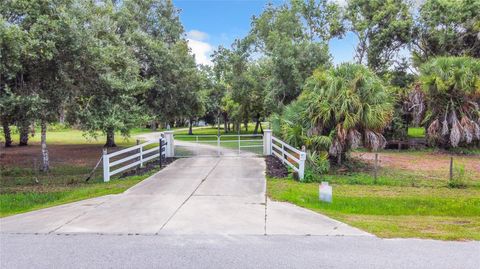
(223, 145)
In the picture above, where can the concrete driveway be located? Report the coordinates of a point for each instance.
(207, 195)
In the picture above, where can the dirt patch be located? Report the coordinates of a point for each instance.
(154, 165)
(424, 162)
(275, 168)
(75, 155)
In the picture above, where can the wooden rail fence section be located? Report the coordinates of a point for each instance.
(289, 155)
(132, 157)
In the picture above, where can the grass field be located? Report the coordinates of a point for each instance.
(72, 156)
(67, 136)
(56, 193)
(410, 198)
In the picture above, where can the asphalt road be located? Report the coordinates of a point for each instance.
(216, 251)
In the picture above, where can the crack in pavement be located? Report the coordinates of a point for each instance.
(76, 217)
(190, 196)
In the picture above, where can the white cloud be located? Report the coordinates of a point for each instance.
(200, 48)
(197, 35)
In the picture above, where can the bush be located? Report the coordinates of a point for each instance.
(57, 127)
(458, 179)
(317, 164)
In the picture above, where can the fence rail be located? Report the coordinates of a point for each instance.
(289, 155)
(135, 156)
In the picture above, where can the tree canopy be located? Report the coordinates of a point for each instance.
(451, 87)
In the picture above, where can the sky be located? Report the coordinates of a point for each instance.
(210, 23)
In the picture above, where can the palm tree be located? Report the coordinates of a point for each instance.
(451, 92)
(348, 106)
(291, 124)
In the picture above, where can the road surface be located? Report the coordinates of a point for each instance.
(233, 251)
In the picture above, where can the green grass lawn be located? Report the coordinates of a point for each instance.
(43, 196)
(72, 157)
(404, 201)
(76, 137)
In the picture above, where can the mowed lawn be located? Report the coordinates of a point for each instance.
(410, 198)
(72, 156)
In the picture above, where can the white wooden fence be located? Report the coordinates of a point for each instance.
(132, 157)
(287, 154)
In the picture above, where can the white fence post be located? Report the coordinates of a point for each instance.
(301, 164)
(106, 166)
(141, 156)
(170, 148)
(267, 142)
(140, 159)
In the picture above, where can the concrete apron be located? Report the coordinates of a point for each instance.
(191, 196)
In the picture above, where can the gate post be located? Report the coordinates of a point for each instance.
(301, 164)
(106, 166)
(160, 151)
(267, 142)
(170, 147)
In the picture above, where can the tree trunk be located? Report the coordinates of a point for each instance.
(153, 125)
(7, 134)
(257, 124)
(190, 124)
(32, 129)
(245, 124)
(23, 128)
(228, 125)
(225, 122)
(45, 160)
(110, 138)
(61, 118)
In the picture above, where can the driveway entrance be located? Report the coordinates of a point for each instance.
(190, 196)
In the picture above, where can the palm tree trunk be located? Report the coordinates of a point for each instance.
(110, 138)
(7, 134)
(45, 159)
